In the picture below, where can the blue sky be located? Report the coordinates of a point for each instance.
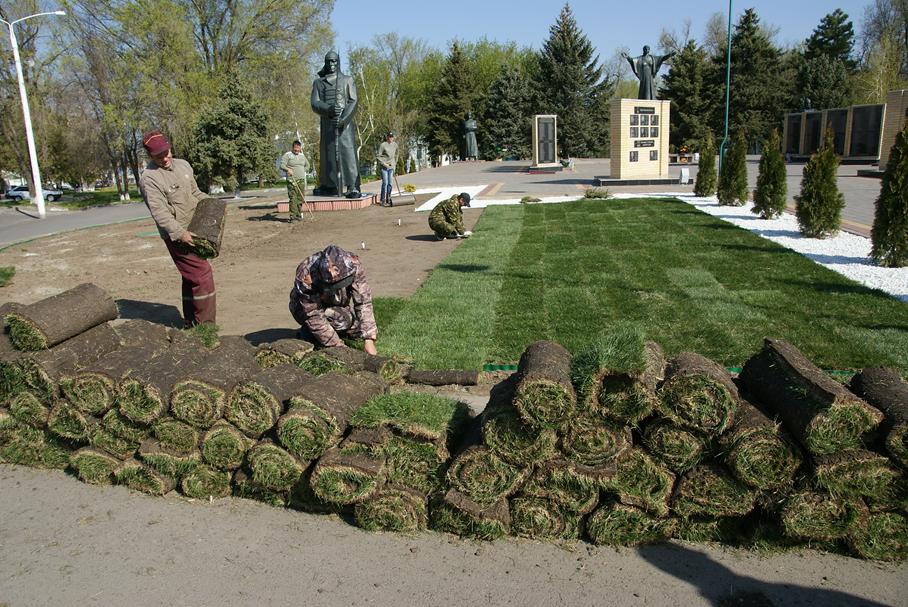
(609, 24)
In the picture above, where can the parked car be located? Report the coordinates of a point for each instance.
(20, 193)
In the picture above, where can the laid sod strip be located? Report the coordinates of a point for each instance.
(119, 425)
(346, 478)
(393, 509)
(255, 405)
(710, 490)
(317, 363)
(207, 224)
(557, 480)
(136, 475)
(484, 477)
(594, 444)
(176, 436)
(29, 446)
(273, 468)
(881, 537)
(426, 417)
(544, 396)
(617, 524)
(698, 394)
(94, 466)
(167, 462)
(29, 410)
(204, 483)
(508, 436)
(144, 395)
(811, 515)
(640, 481)
(886, 390)
(139, 332)
(757, 454)
(677, 448)
(200, 397)
(818, 411)
(41, 372)
(539, 518)
(456, 513)
(855, 473)
(442, 377)
(224, 447)
(282, 352)
(243, 486)
(53, 320)
(320, 411)
(68, 422)
(102, 438)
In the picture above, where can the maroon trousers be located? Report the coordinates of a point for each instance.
(199, 300)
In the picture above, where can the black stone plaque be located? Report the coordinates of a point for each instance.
(644, 131)
(644, 110)
(644, 120)
(546, 140)
(644, 143)
(654, 154)
(635, 131)
(635, 119)
(654, 120)
(634, 155)
(653, 131)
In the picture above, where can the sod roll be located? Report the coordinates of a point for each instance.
(823, 415)
(709, 529)
(710, 490)
(69, 423)
(757, 453)
(443, 377)
(678, 448)
(166, 461)
(282, 352)
(594, 444)
(207, 225)
(301, 497)
(94, 466)
(224, 447)
(484, 477)
(698, 394)
(255, 405)
(886, 390)
(346, 478)
(409, 462)
(118, 424)
(205, 483)
(559, 481)
(393, 508)
(272, 468)
(29, 410)
(640, 481)
(139, 477)
(424, 417)
(200, 396)
(544, 396)
(456, 513)
(617, 524)
(175, 435)
(102, 438)
(813, 515)
(881, 537)
(506, 434)
(855, 473)
(28, 446)
(317, 363)
(51, 321)
(245, 487)
(540, 518)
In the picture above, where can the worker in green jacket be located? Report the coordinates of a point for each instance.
(446, 219)
(295, 164)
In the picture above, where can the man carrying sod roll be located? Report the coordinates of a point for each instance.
(446, 219)
(331, 299)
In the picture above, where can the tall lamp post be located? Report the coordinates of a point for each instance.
(724, 146)
(26, 114)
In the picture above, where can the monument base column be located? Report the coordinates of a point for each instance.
(639, 143)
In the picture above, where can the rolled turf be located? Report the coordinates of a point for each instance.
(102, 438)
(640, 481)
(282, 352)
(458, 514)
(544, 396)
(558, 480)
(94, 466)
(886, 390)
(176, 436)
(204, 483)
(757, 453)
(224, 447)
(821, 414)
(710, 490)
(272, 468)
(116, 423)
(708, 529)
(200, 396)
(320, 411)
(255, 405)
(676, 447)
(53, 320)
(346, 478)
(881, 537)
(28, 446)
(855, 473)
(812, 515)
(698, 394)
(168, 462)
(316, 363)
(393, 508)
(207, 225)
(389, 369)
(594, 444)
(68, 422)
(540, 518)
(243, 486)
(408, 462)
(136, 475)
(484, 477)
(617, 524)
(301, 497)
(28, 409)
(508, 436)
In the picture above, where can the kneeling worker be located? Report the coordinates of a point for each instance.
(446, 219)
(331, 298)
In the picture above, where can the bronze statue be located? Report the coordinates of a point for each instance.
(334, 100)
(645, 68)
(471, 149)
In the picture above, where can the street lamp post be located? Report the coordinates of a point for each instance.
(724, 146)
(26, 114)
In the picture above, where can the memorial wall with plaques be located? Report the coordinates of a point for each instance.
(545, 141)
(639, 139)
(857, 131)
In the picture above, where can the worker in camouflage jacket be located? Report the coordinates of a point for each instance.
(331, 299)
(446, 219)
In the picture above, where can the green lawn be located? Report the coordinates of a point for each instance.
(570, 271)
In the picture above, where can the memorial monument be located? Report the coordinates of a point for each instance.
(545, 142)
(470, 148)
(334, 100)
(645, 68)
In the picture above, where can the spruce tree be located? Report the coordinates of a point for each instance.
(571, 86)
(833, 38)
(890, 219)
(824, 81)
(772, 189)
(452, 100)
(508, 115)
(706, 172)
(685, 87)
(819, 205)
(733, 173)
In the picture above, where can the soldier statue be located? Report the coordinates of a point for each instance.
(471, 150)
(334, 100)
(645, 67)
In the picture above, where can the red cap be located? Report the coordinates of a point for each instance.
(155, 143)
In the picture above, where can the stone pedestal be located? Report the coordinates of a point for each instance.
(545, 142)
(639, 143)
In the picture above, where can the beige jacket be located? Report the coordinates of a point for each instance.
(171, 195)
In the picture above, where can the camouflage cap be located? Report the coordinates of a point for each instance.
(336, 267)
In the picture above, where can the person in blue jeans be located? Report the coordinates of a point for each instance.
(387, 160)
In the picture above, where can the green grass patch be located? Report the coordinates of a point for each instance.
(101, 197)
(207, 333)
(425, 416)
(6, 275)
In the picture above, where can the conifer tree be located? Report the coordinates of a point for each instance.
(819, 205)
(772, 189)
(685, 86)
(452, 100)
(834, 39)
(733, 173)
(508, 115)
(706, 172)
(890, 220)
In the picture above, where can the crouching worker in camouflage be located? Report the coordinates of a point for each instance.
(331, 299)
(446, 219)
